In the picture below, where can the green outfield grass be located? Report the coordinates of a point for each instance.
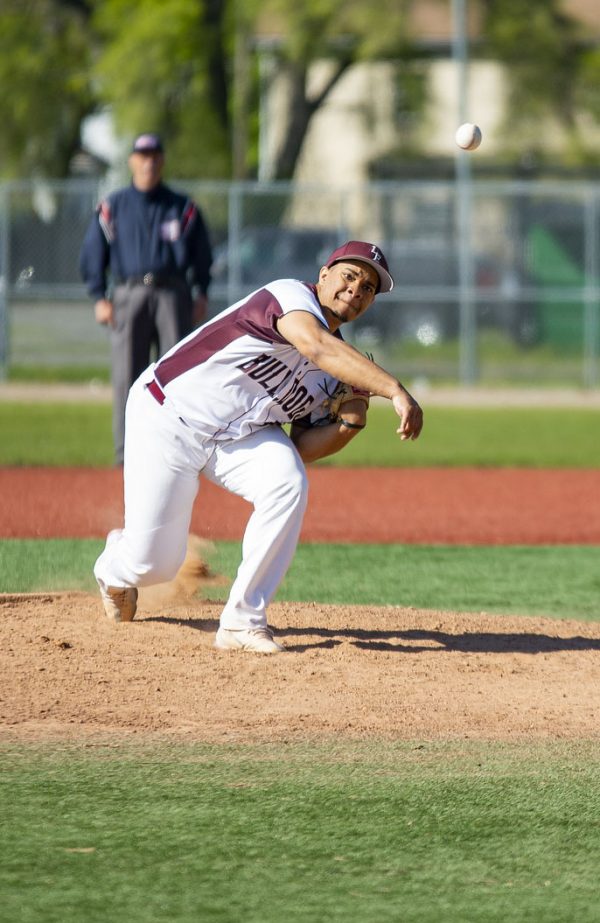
(362, 832)
(80, 434)
(85, 375)
(556, 581)
(56, 434)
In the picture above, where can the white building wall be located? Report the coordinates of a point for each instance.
(358, 120)
(486, 99)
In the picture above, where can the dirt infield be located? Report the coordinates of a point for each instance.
(349, 671)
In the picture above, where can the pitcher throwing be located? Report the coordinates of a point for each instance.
(216, 404)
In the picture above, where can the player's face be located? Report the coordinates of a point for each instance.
(347, 289)
(146, 169)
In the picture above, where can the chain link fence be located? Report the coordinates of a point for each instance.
(522, 307)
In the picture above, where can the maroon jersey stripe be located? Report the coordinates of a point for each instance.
(256, 317)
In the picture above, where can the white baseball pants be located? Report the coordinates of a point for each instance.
(163, 460)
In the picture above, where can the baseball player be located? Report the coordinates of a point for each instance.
(216, 404)
(153, 246)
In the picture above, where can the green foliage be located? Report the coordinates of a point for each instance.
(318, 29)
(342, 33)
(586, 93)
(44, 66)
(167, 72)
(548, 67)
(182, 67)
(190, 68)
(362, 832)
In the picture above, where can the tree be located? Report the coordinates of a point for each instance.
(190, 69)
(552, 69)
(168, 72)
(44, 63)
(341, 32)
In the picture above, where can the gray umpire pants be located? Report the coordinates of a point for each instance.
(148, 320)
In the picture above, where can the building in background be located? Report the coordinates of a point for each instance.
(361, 132)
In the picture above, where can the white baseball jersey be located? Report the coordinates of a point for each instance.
(237, 373)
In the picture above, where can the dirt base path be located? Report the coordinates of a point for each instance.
(386, 672)
(462, 505)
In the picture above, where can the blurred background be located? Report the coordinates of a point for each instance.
(298, 126)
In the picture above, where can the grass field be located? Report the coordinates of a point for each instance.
(414, 832)
(80, 434)
(557, 581)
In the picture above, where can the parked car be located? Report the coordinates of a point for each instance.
(424, 303)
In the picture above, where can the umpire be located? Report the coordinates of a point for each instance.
(153, 246)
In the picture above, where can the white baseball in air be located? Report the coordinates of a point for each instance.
(468, 136)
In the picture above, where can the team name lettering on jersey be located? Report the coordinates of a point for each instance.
(264, 369)
(273, 375)
(295, 401)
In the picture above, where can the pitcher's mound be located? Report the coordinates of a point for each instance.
(357, 671)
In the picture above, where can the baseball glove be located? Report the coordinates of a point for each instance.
(341, 394)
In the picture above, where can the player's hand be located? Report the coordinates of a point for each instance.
(410, 413)
(103, 311)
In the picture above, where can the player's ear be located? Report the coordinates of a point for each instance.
(323, 273)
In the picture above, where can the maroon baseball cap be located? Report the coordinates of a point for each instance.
(366, 253)
(148, 143)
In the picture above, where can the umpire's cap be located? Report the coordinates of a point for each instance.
(366, 253)
(148, 143)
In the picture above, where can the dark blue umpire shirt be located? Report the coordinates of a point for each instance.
(134, 233)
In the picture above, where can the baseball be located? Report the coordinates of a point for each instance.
(468, 136)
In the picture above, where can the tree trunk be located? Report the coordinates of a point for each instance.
(301, 110)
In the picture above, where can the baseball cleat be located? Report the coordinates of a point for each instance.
(120, 602)
(259, 640)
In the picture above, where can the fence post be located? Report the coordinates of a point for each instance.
(4, 278)
(591, 307)
(463, 192)
(467, 314)
(234, 269)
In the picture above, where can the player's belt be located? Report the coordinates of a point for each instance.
(156, 391)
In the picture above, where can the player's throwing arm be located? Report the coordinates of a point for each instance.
(345, 362)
